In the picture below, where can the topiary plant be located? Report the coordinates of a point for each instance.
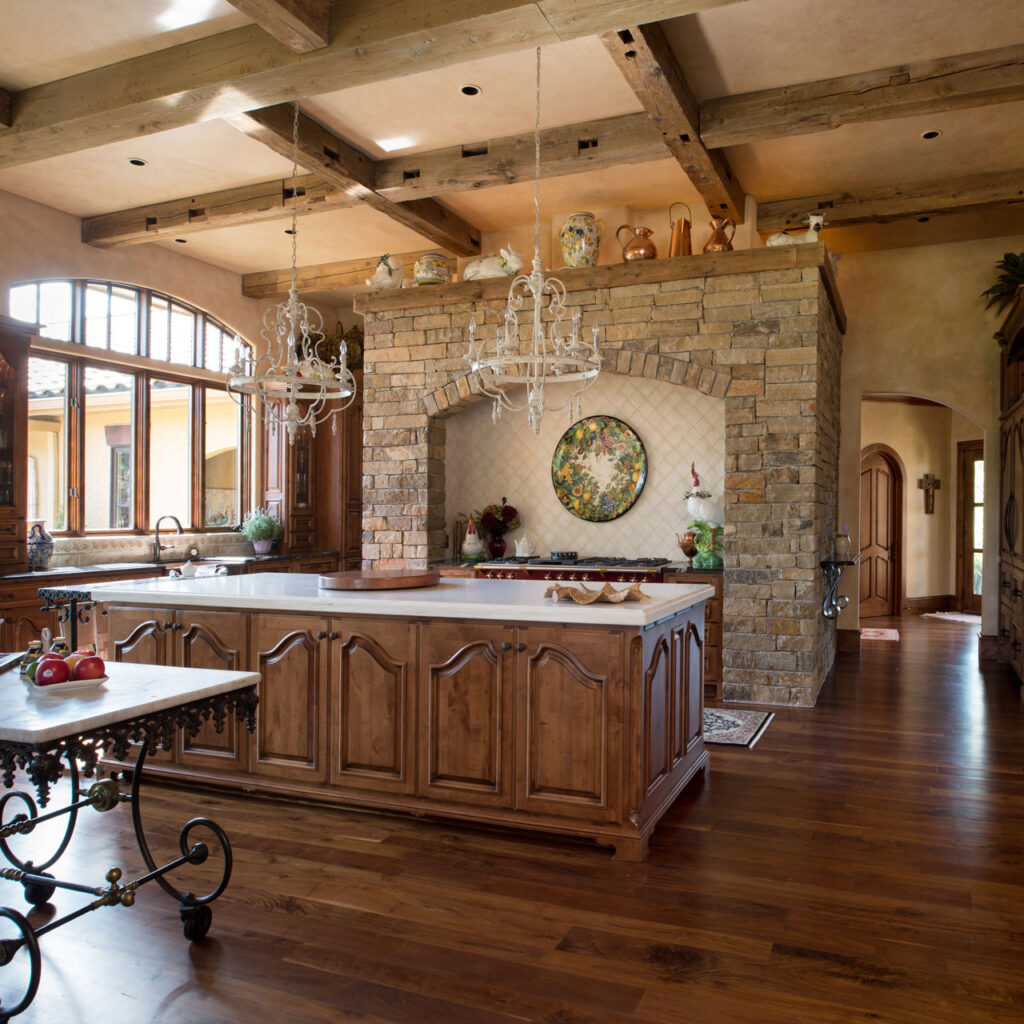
(1011, 277)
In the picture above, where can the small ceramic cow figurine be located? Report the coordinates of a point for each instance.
(507, 264)
(814, 221)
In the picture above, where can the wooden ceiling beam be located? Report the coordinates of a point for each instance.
(5, 107)
(302, 25)
(176, 218)
(905, 90)
(896, 202)
(225, 74)
(272, 284)
(644, 57)
(354, 173)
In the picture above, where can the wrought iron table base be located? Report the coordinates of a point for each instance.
(44, 767)
(833, 603)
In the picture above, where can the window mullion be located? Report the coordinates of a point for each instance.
(198, 440)
(140, 435)
(76, 447)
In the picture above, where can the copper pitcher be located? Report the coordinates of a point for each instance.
(719, 240)
(679, 244)
(639, 247)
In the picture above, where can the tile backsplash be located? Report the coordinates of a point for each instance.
(677, 425)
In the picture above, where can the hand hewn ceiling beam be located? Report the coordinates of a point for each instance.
(353, 173)
(906, 90)
(592, 145)
(226, 74)
(302, 25)
(5, 107)
(645, 59)
(272, 284)
(895, 202)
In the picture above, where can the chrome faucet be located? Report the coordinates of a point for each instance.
(157, 546)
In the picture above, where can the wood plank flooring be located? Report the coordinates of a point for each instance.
(864, 862)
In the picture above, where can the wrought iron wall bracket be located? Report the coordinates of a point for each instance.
(834, 602)
(71, 607)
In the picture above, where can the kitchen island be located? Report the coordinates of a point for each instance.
(472, 699)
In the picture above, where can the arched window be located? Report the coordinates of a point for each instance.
(129, 415)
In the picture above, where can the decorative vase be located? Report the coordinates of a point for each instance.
(497, 545)
(262, 547)
(639, 246)
(40, 547)
(432, 268)
(580, 237)
(688, 543)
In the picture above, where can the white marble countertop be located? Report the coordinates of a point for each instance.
(451, 598)
(30, 715)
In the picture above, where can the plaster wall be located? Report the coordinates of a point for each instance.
(917, 326)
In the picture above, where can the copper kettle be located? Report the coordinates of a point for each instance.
(640, 246)
(679, 244)
(719, 240)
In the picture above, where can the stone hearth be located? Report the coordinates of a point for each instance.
(761, 329)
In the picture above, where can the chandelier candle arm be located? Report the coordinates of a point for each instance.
(550, 357)
(299, 383)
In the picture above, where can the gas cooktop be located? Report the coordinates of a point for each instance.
(570, 558)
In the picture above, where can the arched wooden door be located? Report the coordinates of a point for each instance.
(881, 499)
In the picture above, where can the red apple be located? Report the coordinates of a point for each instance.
(50, 672)
(91, 667)
(50, 656)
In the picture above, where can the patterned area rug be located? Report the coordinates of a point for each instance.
(735, 727)
(880, 634)
(974, 620)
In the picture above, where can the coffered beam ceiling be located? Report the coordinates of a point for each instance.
(353, 173)
(895, 202)
(645, 59)
(272, 284)
(223, 75)
(905, 90)
(302, 25)
(592, 145)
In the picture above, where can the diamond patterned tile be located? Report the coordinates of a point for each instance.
(677, 425)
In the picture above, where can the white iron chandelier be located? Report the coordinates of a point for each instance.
(550, 358)
(299, 382)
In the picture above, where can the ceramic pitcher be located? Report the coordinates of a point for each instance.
(640, 245)
(580, 238)
(719, 240)
(432, 268)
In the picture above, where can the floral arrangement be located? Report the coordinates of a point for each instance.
(696, 491)
(496, 520)
(708, 541)
(261, 524)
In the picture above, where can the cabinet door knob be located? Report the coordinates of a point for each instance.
(167, 625)
(178, 626)
(322, 634)
(333, 635)
(520, 647)
(506, 646)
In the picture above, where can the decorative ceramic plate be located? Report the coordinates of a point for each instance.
(599, 468)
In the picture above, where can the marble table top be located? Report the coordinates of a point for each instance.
(33, 716)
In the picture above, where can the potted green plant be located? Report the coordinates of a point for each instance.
(262, 528)
(1011, 277)
(708, 541)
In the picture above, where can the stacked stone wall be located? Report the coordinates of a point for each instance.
(765, 338)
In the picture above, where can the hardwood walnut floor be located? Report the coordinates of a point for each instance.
(862, 863)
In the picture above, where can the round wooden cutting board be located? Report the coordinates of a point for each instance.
(379, 579)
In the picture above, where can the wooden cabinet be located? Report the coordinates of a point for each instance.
(338, 482)
(1011, 486)
(467, 689)
(14, 341)
(712, 625)
(291, 721)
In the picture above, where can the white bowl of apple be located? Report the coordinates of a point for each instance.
(55, 673)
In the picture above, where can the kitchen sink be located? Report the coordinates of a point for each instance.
(225, 559)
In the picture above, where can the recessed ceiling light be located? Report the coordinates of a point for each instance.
(398, 142)
(182, 241)
(923, 220)
(471, 90)
(288, 231)
(933, 133)
(137, 161)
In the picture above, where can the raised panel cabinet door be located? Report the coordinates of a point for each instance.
(25, 622)
(569, 723)
(688, 675)
(215, 640)
(372, 741)
(465, 713)
(290, 653)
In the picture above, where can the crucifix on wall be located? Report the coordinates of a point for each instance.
(929, 483)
